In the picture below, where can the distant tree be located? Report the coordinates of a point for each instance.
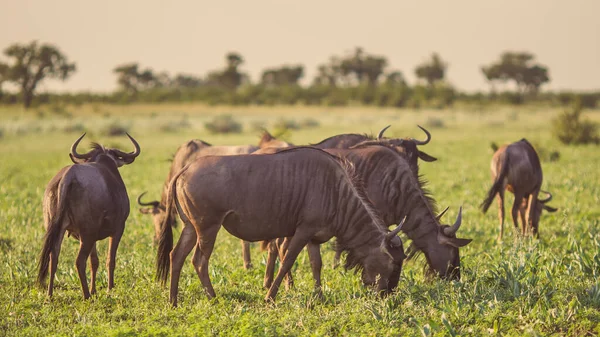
(395, 78)
(32, 64)
(432, 71)
(186, 81)
(363, 67)
(284, 75)
(231, 77)
(132, 79)
(329, 74)
(3, 75)
(520, 68)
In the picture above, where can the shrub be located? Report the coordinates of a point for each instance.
(286, 124)
(74, 127)
(174, 126)
(309, 123)
(223, 124)
(435, 122)
(115, 129)
(569, 128)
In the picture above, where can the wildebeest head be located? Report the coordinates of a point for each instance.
(448, 241)
(267, 140)
(376, 262)
(157, 210)
(541, 206)
(407, 146)
(119, 157)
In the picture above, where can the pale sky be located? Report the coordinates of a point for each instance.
(193, 36)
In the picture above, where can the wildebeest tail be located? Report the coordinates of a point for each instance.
(165, 237)
(54, 229)
(497, 186)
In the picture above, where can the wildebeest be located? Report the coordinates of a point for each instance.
(303, 193)
(396, 194)
(89, 200)
(185, 154)
(517, 167)
(267, 140)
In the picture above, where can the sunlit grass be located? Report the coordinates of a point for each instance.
(517, 287)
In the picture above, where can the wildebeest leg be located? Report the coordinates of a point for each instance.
(282, 246)
(501, 212)
(204, 247)
(515, 210)
(85, 247)
(298, 241)
(246, 254)
(112, 257)
(272, 253)
(54, 261)
(94, 263)
(522, 212)
(184, 246)
(531, 211)
(314, 255)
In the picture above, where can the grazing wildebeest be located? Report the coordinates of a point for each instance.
(186, 154)
(396, 194)
(303, 193)
(89, 200)
(407, 147)
(517, 167)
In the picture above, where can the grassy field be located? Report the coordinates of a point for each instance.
(517, 287)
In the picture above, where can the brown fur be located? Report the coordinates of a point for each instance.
(186, 154)
(302, 193)
(89, 200)
(516, 168)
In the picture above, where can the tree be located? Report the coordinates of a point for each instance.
(3, 75)
(520, 68)
(32, 64)
(132, 79)
(186, 81)
(284, 75)
(432, 71)
(230, 78)
(363, 67)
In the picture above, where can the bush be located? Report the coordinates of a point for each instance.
(174, 126)
(435, 122)
(286, 124)
(309, 123)
(74, 127)
(569, 128)
(115, 129)
(223, 124)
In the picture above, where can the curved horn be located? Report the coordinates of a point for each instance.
(439, 216)
(396, 230)
(152, 203)
(74, 149)
(422, 142)
(451, 231)
(380, 135)
(543, 201)
(133, 154)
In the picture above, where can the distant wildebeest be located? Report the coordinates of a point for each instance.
(303, 193)
(517, 167)
(186, 154)
(267, 140)
(396, 194)
(89, 200)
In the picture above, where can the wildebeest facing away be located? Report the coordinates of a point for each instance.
(89, 200)
(186, 154)
(303, 193)
(396, 194)
(517, 167)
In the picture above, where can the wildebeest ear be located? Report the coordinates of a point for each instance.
(425, 157)
(454, 242)
(550, 209)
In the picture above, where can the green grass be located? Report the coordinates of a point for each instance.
(518, 287)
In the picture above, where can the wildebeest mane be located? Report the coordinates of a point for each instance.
(367, 136)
